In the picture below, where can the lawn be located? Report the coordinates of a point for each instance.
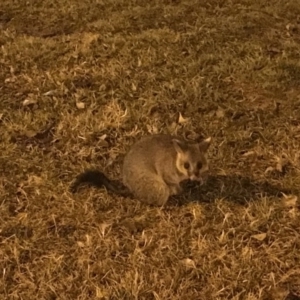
(82, 80)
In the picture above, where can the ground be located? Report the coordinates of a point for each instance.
(82, 80)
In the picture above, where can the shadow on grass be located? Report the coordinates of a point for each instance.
(236, 188)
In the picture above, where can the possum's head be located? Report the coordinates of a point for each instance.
(191, 158)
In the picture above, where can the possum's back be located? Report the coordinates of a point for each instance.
(147, 153)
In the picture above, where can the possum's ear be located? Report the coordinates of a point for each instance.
(204, 145)
(179, 146)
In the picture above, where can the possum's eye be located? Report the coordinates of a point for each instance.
(199, 165)
(186, 165)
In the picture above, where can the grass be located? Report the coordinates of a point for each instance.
(82, 80)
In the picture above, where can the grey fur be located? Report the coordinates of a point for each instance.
(154, 167)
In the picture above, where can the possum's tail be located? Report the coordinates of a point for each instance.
(98, 179)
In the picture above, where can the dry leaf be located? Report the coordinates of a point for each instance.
(152, 129)
(33, 179)
(260, 236)
(191, 135)
(30, 133)
(281, 163)
(269, 169)
(189, 263)
(50, 93)
(247, 252)
(182, 120)
(102, 87)
(80, 105)
(172, 126)
(103, 227)
(220, 113)
(10, 79)
(80, 244)
(27, 102)
(279, 167)
(103, 137)
(133, 87)
(88, 240)
(249, 153)
(289, 200)
(171, 86)
(22, 216)
(101, 294)
(293, 213)
(139, 62)
(102, 141)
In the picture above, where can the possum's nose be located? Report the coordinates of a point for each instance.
(195, 177)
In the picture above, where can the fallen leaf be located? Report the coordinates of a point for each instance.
(139, 62)
(88, 240)
(281, 163)
(102, 87)
(248, 153)
(260, 236)
(10, 79)
(172, 126)
(189, 263)
(191, 135)
(103, 227)
(50, 93)
(220, 113)
(293, 213)
(36, 180)
(182, 120)
(171, 86)
(289, 200)
(27, 102)
(22, 216)
(247, 252)
(152, 129)
(80, 105)
(103, 137)
(279, 167)
(269, 169)
(30, 133)
(102, 141)
(133, 87)
(80, 244)
(101, 294)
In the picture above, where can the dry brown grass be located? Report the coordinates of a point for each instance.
(81, 80)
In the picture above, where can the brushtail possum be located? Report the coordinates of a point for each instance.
(153, 168)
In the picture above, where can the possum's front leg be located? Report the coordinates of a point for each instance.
(175, 189)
